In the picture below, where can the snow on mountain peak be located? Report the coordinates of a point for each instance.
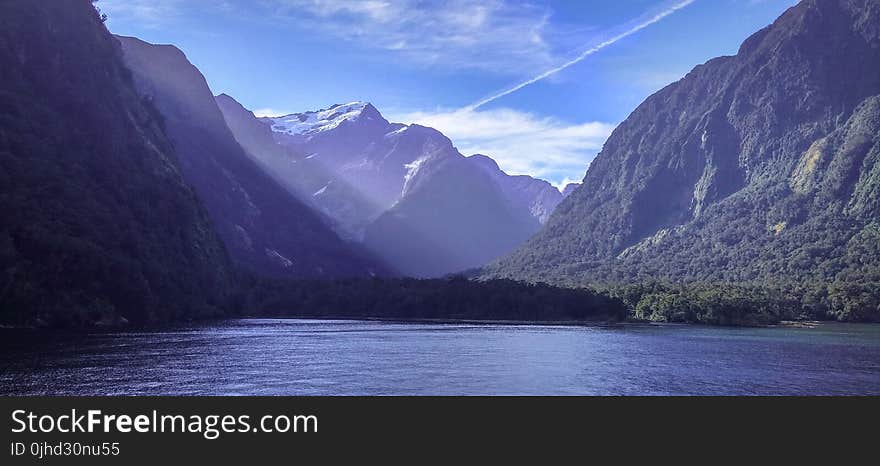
(321, 120)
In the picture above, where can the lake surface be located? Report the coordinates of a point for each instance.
(310, 357)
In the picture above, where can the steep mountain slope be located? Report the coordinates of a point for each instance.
(569, 189)
(264, 227)
(96, 222)
(756, 167)
(538, 197)
(342, 204)
(404, 190)
(355, 162)
(450, 216)
(355, 143)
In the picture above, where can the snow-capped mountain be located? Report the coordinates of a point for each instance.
(359, 146)
(395, 153)
(309, 123)
(404, 190)
(346, 209)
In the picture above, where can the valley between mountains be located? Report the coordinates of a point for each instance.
(746, 193)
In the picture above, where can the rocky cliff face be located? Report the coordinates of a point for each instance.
(569, 189)
(266, 229)
(753, 167)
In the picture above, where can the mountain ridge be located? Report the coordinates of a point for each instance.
(373, 178)
(733, 174)
(78, 247)
(265, 228)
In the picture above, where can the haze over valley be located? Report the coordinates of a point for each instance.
(138, 188)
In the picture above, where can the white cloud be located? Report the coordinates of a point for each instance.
(567, 181)
(150, 13)
(521, 142)
(586, 53)
(495, 35)
(502, 36)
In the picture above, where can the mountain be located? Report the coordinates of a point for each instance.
(354, 143)
(403, 190)
(450, 216)
(759, 167)
(353, 161)
(97, 225)
(538, 197)
(569, 189)
(341, 204)
(437, 213)
(265, 228)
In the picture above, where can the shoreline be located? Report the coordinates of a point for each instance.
(399, 320)
(811, 324)
(440, 321)
(598, 323)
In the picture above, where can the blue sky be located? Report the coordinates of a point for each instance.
(430, 61)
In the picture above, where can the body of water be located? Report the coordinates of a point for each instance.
(310, 357)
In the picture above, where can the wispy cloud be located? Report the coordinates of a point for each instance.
(501, 36)
(511, 36)
(524, 143)
(163, 13)
(150, 13)
(496, 35)
(583, 56)
(521, 142)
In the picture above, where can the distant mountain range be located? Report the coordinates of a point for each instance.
(402, 190)
(265, 228)
(128, 189)
(762, 167)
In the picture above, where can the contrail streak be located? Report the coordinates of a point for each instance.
(656, 19)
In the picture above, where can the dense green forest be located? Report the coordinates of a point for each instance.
(745, 304)
(452, 298)
(95, 219)
(654, 301)
(460, 298)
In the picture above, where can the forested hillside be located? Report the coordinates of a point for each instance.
(760, 168)
(96, 221)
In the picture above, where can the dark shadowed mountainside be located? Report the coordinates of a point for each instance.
(266, 229)
(451, 216)
(96, 222)
(760, 167)
(523, 192)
